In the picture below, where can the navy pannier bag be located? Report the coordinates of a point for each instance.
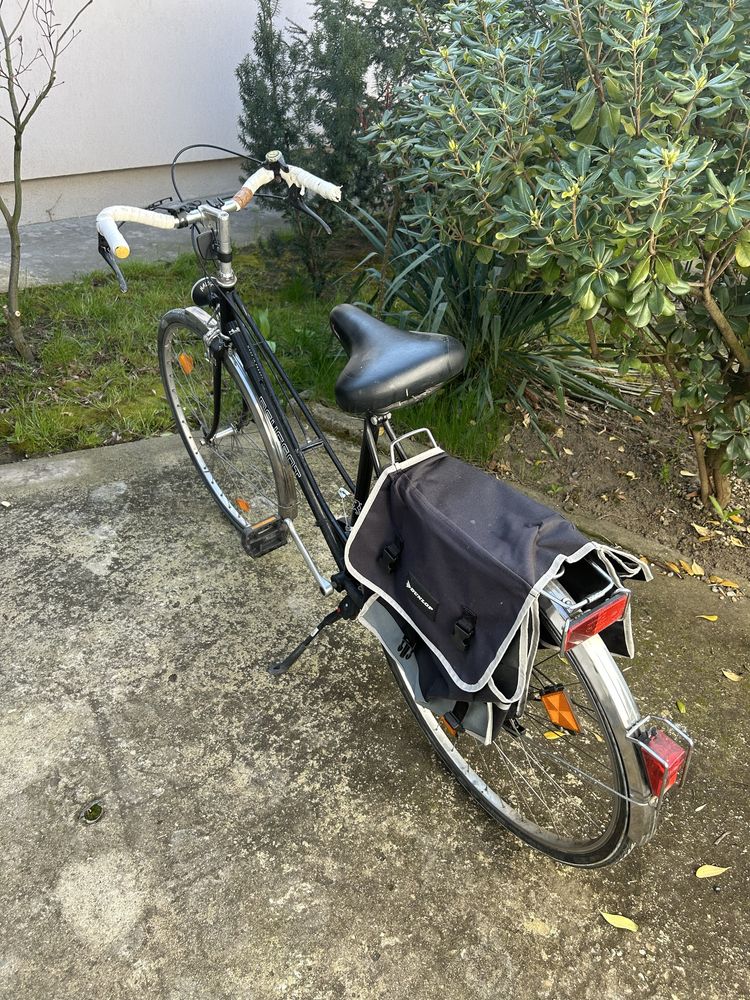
(455, 561)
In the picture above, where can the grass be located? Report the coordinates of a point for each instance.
(96, 379)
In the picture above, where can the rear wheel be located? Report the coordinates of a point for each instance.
(241, 462)
(565, 793)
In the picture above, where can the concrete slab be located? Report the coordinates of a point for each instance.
(295, 837)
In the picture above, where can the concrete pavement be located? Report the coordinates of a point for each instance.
(295, 838)
(62, 250)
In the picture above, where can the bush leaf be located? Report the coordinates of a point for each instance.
(625, 923)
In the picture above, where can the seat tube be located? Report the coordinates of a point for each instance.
(368, 463)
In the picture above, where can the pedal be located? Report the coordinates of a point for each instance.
(264, 537)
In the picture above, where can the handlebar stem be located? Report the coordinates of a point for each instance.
(220, 217)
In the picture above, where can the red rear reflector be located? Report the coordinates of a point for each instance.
(581, 629)
(663, 772)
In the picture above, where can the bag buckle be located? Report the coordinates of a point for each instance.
(390, 555)
(463, 630)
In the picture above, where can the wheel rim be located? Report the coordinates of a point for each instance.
(566, 794)
(235, 463)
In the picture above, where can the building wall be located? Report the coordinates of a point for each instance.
(143, 79)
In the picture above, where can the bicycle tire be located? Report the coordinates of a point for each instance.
(614, 843)
(243, 467)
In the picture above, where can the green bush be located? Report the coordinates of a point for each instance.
(604, 147)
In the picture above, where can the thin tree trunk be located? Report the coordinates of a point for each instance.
(722, 324)
(12, 220)
(721, 488)
(387, 249)
(593, 345)
(700, 456)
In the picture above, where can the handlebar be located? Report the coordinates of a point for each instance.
(107, 220)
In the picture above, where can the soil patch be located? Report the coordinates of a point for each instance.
(640, 474)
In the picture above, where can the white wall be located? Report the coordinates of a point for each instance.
(144, 78)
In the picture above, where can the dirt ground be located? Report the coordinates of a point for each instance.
(640, 475)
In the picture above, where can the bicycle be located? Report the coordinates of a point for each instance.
(584, 794)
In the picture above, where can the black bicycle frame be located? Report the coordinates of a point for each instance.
(257, 357)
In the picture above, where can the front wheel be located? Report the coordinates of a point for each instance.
(567, 794)
(235, 450)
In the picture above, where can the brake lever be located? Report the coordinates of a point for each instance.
(301, 205)
(106, 252)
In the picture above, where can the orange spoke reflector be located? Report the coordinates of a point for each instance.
(243, 505)
(559, 710)
(186, 362)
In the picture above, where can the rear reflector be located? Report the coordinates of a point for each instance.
(663, 759)
(581, 629)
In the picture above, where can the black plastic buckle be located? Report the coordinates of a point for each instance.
(390, 555)
(463, 630)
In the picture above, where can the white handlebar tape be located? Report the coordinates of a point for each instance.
(107, 219)
(303, 179)
(253, 184)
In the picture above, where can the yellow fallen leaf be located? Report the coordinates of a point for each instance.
(700, 530)
(567, 451)
(631, 475)
(598, 738)
(687, 567)
(624, 923)
(737, 518)
(721, 582)
(708, 618)
(732, 676)
(674, 567)
(621, 448)
(709, 871)
(691, 475)
(736, 542)
(552, 735)
(681, 706)
(697, 569)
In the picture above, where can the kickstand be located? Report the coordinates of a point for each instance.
(276, 669)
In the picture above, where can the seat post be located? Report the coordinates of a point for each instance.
(368, 461)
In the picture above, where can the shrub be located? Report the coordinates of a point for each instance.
(604, 146)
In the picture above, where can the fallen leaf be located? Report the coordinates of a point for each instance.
(4, 503)
(737, 518)
(708, 618)
(621, 448)
(598, 738)
(631, 475)
(701, 808)
(721, 582)
(687, 567)
(624, 923)
(681, 706)
(709, 871)
(697, 569)
(550, 734)
(567, 451)
(732, 676)
(700, 530)
(674, 567)
(558, 433)
(736, 541)
(692, 475)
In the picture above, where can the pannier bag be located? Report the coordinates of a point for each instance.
(456, 560)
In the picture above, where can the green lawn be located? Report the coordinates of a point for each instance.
(96, 380)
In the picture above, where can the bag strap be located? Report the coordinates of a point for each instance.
(463, 630)
(391, 554)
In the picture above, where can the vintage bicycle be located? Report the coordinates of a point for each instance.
(567, 762)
